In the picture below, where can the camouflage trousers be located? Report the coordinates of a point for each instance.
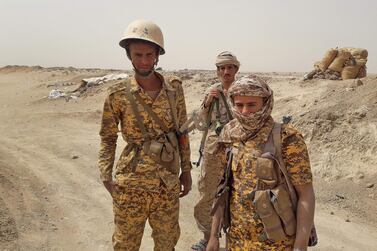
(243, 245)
(133, 207)
(210, 177)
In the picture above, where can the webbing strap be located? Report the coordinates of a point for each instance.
(173, 108)
(230, 116)
(208, 121)
(135, 111)
(276, 135)
(217, 105)
(149, 110)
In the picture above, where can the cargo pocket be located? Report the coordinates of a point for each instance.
(266, 212)
(283, 206)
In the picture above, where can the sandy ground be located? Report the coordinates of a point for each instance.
(51, 197)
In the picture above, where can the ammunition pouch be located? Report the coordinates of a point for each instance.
(283, 207)
(266, 212)
(266, 174)
(164, 151)
(272, 202)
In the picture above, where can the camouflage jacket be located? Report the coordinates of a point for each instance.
(117, 111)
(219, 115)
(243, 217)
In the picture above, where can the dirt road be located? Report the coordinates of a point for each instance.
(51, 197)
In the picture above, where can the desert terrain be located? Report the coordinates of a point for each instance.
(51, 197)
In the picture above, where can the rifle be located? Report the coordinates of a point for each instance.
(222, 197)
(205, 132)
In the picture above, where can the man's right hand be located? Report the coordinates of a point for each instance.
(213, 93)
(109, 185)
(213, 244)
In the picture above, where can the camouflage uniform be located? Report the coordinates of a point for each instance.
(144, 188)
(211, 169)
(246, 229)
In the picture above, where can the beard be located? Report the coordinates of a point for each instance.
(144, 73)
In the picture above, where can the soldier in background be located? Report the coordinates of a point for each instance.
(154, 169)
(215, 113)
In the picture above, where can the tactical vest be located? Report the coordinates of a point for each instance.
(274, 197)
(163, 148)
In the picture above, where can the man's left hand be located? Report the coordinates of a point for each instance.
(186, 182)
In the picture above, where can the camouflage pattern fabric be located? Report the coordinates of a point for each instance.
(203, 113)
(131, 210)
(145, 189)
(246, 230)
(211, 169)
(117, 111)
(247, 126)
(210, 177)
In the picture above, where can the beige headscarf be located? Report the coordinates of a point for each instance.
(247, 126)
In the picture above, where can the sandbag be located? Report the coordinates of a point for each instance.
(317, 65)
(350, 72)
(357, 52)
(362, 72)
(338, 63)
(330, 55)
(360, 61)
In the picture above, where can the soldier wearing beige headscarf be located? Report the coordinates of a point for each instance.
(256, 222)
(213, 110)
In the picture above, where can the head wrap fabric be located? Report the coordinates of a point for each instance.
(248, 126)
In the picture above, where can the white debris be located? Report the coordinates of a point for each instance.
(100, 80)
(56, 93)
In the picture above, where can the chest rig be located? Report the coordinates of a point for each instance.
(163, 148)
(274, 197)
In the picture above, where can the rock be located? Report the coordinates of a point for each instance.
(347, 220)
(372, 196)
(340, 196)
(370, 185)
(287, 119)
(359, 82)
(75, 157)
(360, 176)
(332, 213)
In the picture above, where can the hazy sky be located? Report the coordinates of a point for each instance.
(285, 35)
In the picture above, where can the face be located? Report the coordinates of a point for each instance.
(247, 104)
(143, 56)
(227, 73)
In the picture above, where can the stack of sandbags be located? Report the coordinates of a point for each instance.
(344, 63)
(355, 67)
(329, 57)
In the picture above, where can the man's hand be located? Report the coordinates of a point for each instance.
(213, 93)
(109, 185)
(186, 182)
(213, 244)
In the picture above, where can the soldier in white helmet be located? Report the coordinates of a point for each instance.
(154, 169)
(215, 113)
